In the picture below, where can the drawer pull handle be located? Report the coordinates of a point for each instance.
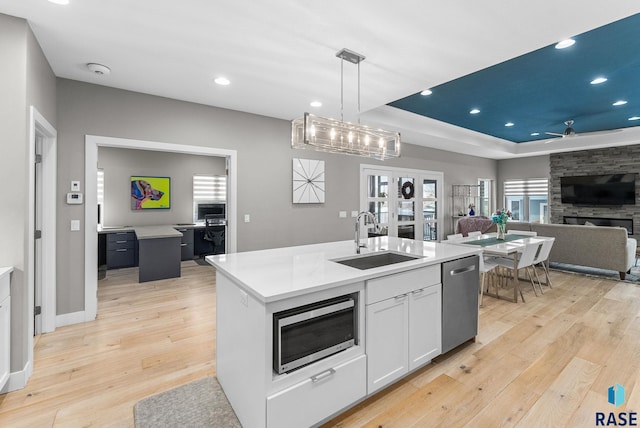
(418, 291)
(121, 242)
(183, 245)
(121, 249)
(323, 375)
(401, 296)
(121, 233)
(463, 270)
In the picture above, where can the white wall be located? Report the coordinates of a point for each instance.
(120, 164)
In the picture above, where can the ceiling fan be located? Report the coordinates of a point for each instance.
(569, 132)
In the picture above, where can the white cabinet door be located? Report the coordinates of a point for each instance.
(425, 332)
(5, 334)
(387, 341)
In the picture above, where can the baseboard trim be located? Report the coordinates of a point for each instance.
(18, 380)
(72, 318)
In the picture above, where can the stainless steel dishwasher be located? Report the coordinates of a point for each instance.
(459, 301)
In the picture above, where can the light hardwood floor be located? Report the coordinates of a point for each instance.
(547, 362)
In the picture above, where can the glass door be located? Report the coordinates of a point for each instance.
(377, 199)
(405, 202)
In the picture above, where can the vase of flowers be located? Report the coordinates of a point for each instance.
(471, 210)
(500, 218)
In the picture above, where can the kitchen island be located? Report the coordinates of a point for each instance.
(396, 329)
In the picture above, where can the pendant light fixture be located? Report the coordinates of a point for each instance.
(337, 136)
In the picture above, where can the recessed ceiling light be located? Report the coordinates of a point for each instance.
(634, 118)
(223, 81)
(598, 80)
(315, 104)
(59, 1)
(426, 92)
(535, 134)
(620, 103)
(474, 111)
(565, 44)
(509, 124)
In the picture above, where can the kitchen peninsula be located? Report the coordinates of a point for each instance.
(389, 319)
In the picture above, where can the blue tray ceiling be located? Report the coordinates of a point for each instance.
(540, 90)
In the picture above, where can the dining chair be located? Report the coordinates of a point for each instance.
(522, 232)
(485, 266)
(542, 259)
(474, 233)
(454, 237)
(524, 262)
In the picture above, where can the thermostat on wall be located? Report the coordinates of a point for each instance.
(74, 198)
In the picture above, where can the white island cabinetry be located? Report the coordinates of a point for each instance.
(397, 325)
(403, 315)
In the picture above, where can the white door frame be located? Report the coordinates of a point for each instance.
(92, 142)
(40, 127)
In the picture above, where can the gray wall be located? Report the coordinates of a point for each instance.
(264, 167)
(120, 164)
(531, 167)
(26, 80)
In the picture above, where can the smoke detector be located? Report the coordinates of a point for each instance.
(99, 69)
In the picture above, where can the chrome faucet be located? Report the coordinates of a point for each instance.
(357, 238)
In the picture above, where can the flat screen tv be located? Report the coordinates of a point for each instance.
(609, 189)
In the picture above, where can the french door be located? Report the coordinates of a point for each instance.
(406, 202)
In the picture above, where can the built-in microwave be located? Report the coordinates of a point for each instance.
(308, 333)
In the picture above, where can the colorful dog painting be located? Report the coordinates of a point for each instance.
(142, 191)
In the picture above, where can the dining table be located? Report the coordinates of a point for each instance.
(510, 246)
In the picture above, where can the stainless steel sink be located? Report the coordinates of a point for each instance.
(375, 260)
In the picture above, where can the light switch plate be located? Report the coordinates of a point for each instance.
(75, 186)
(342, 214)
(247, 218)
(354, 214)
(75, 225)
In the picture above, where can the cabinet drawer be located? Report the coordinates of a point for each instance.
(123, 257)
(121, 236)
(329, 392)
(187, 235)
(186, 251)
(117, 245)
(379, 289)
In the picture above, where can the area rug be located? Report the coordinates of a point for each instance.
(201, 403)
(634, 276)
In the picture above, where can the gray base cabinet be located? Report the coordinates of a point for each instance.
(122, 250)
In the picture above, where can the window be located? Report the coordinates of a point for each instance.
(484, 198)
(208, 189)
(100, 195)
(527, 199)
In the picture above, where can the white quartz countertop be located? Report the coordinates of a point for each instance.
(280, 273)
(152, 232)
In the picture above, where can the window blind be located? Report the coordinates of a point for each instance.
(209, 188)
(100, 193)
(527, 187)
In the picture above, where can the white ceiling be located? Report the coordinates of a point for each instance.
(280, 54)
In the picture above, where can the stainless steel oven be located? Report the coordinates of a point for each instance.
(311, 332)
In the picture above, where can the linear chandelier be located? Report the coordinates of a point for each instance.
(337, 136)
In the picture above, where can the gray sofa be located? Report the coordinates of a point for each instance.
(602, 247)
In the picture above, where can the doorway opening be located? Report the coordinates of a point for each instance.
(91, 214)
